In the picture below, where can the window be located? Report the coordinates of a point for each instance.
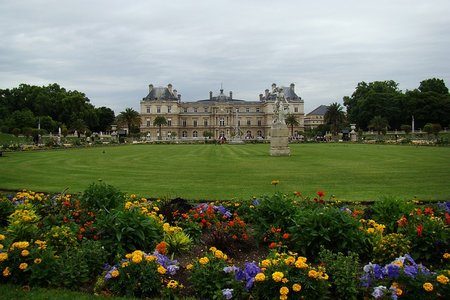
(221, 122)
(247, 109)
(296, 109)
(183, 122)
(249, 122)
(259, 122)
(239, 122)
(149, 123)
(195, 109)
(185, 109)
(158, 109)
(205, 122)
(169, 122)
(148, 109)
(257, 109)
(259, 133)
(206, 109)
(169, 109)
(237, 109)
(195, 134)
(184, 134)
(195, 123)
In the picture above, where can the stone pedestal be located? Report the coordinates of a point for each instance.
(279, 140)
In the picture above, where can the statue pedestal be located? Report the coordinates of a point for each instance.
(279, 140)
(353, 137)
(236, 141)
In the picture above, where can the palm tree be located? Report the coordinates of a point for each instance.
(334, 117)
(130, 117)
(292, 121)
(159, 121)
(379, 124)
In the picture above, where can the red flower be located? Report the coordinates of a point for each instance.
(447, 218)
(320, 194)
(272, 245)
(419, 230)
(419, 212)
(428, 211)
(162, 248)
(298, 194)
(402, 222)
(286, 236)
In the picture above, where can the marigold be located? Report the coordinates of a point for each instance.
(6, 272)
(115, 273)
(218, 254)
(3, 256)
(260, 277)
(442, 279)
(283, 297)
(296, 287)
(284, 290)
(289, 260)
(37, 261)
(136, 258)
(23, 266)
(313, 274)
(1, 246)
(150, 258)
(203, 260)
(277, 276)
(162, 270)
(446, 255)
(162, 248)
(189, 266)
(25, 253)
(265, 263)
(172, 284)
(428, 287)
(2, 237)
(284, 280)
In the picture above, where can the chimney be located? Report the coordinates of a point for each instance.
(273, 86)
(260, 97)
(179, 97)
(175, 93)
(292, 87)
(210, 95)
(231, 95)
(169, 87)
(150, 87)
(267, 93)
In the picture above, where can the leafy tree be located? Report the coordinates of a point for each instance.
(379, 124)
(64, 131)
(291, 120)
(436, 128)
(79, 126)
(428, 128)
(406, 128)
(334, 117)
(159, 121)
(207, 134)
(106, 118)
(130, 118)
(433, 85)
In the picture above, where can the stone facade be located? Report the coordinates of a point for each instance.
(219, 114)
(316, 117)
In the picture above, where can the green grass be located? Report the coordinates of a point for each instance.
(349, 171)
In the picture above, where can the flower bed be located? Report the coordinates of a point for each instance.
(274, 247)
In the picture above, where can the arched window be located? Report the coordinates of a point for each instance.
(184, 134)
(259, 133)
(195, 134)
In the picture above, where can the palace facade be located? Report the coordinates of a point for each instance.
(218, 116)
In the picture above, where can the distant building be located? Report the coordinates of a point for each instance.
(219, 114)
(316, 117)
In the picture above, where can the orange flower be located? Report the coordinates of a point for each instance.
(272, 245)
(162, 248)
(286, 236)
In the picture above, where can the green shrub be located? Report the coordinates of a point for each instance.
(343, 271)
(127, 230)
(6, 209)
(390, 247)
(387, 210)
(60, 238)
(101, 196)
(178, 242)
(22, 224)
(330, 227)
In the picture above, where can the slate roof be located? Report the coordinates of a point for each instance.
(160, 93)
(321, 111)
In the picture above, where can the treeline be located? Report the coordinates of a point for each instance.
(383, 101)
(24, 107)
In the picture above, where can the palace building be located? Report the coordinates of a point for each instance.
(217, 116)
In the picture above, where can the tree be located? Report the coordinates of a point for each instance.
(130, 118)
(436, 128)
(291, 120)
(334, 117)
(159, 121)
(379, 124)
(106, 118)
(433, 85)
(406, 128)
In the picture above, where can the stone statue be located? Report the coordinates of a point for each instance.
(279, 110)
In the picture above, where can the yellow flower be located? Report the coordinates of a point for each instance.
(37, 261)
(218, 254)
(399, 291)
(1, 246)
(260, 277)
(284, 280)
(284, 290)
(442, 279)
(150, 258)
(172, 284)
(3, 257)
(2, 237)
(6, 272)
(265, 263)
(128, 204)
(128, 256)
(155, 208)
(277, 276)
(296, 287)
(289, 261)
(370, 230)
(204, 260)
(23, 266)
(274, 182)
(446, 255)
(25, 253)
(125, 264)
(213, 249)
(283, 297)
(19, 245)
(42, 245)
(162, 270)
(115, 273)
(428, 287)
(189, 266)
(137, 256)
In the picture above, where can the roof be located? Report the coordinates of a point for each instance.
(161, 93)
(321, 111)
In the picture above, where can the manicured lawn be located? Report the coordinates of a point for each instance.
(350, 172)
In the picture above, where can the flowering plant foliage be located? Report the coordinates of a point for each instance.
(141, 275)
(289, 276)
(404, 277)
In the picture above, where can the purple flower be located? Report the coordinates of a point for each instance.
(231, 269)
(410, 271)
(255, 202)
(222, 210)
(392, 271)
(248, 274)
(227, 293)
(379, 291)
(172, 269)
(445, 206)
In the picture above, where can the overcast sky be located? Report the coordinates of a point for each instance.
(112, 50)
